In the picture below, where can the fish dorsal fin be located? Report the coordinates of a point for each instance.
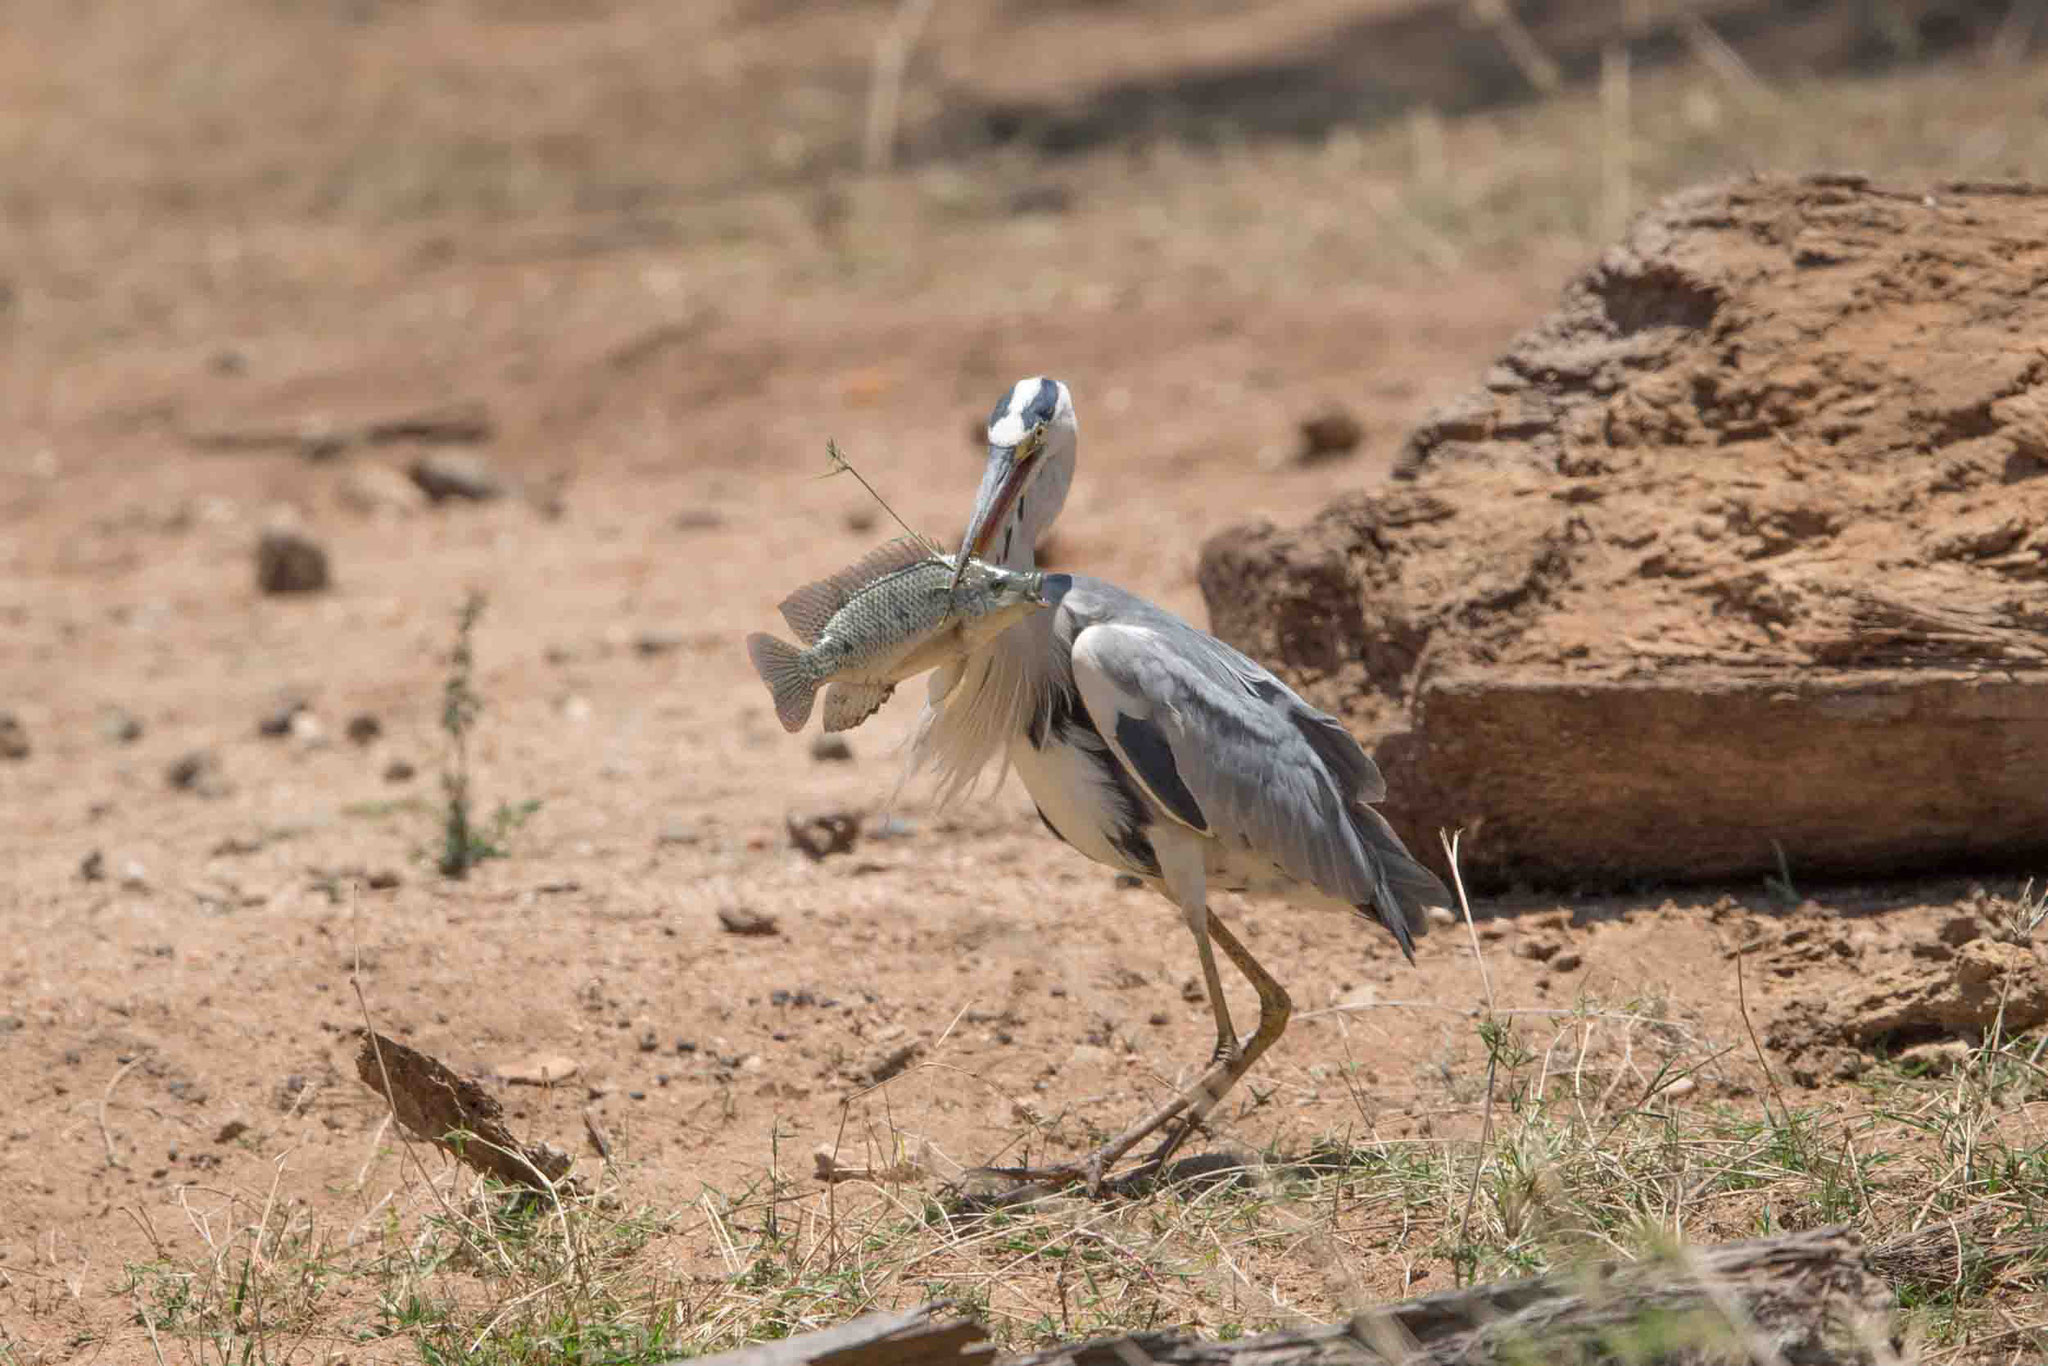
(810, 607)
(847, 704)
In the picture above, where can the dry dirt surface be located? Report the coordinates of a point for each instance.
(1746, 543)
(463, 296)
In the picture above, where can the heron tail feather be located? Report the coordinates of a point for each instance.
(1404, 889)
(781, 666)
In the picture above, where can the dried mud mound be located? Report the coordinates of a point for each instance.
(1746, 545)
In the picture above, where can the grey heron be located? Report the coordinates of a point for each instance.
(1155, 748)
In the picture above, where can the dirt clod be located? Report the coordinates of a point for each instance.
(1985, 984)
(290, 562)
(1728, 544)
(13, 737)
(364, 728)
(828, 749)
(1330, 433)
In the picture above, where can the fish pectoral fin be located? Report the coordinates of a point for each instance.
(849, 704)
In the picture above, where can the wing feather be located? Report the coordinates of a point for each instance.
(1222, 740)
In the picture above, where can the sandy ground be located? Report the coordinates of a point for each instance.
(178, 967)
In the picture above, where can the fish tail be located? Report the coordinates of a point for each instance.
(781, 666)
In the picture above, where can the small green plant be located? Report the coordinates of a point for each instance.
(463, 843)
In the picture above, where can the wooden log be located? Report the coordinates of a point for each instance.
(1805, 1298)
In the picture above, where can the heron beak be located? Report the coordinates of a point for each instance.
(1009, 470)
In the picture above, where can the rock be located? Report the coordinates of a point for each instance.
(825, 834)
(277, 723)
(308, 729)
(1568, 961)
(1329, 434)
(198, 772)
(745, 920)
(860, 521)
(399, 771)
(1703, 512)
(364, 729)
(1539, 950)
(697, 519)
(13, 737)
(290, 562)
(93, 867)
(372, 490)
(1913, 1003)
(831, 749)
(230, 1131)
(454, 475)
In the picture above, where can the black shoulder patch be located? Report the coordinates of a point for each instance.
(1152, 756)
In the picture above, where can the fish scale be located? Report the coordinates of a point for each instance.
(894, 613)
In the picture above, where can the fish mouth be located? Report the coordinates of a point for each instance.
(1009, 469)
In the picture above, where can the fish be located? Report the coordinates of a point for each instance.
(893, 614)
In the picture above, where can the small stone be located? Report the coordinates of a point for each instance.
(399, 771)
(364, 728)
(13, 737)
(384, 879)
(198, 772)
(134, 876)
(1537, 950)
(446, 476)
(1129, 881)
(831, 749)
(231, 1131)
(279, 720)
(744, 920)
(290, 562)
(308, 729)
(1568, 961)
(827, 833)
(697, 519)
(891, 828)
(862, 520)
(1440, 917)
(1157, 1017)
(1328, 434)
(120, 726)
(651, 643)
(93, 867)
(372, 490)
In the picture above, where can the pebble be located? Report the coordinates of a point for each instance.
(93, 867)
(198, 772)
(744, 920)
(1568, 961)
(651, 643)
(290, 562)
(364, 728)
(120, 726)
(279, 720)
(399, 771)
(372, 490)
(446, 476)
(830, 749)
(13, 737)
(697, 519)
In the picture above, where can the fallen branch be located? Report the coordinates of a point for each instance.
(1805, 1297)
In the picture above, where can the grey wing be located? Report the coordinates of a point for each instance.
(1227, 750)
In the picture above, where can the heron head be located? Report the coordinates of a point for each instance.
(1032, 438)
